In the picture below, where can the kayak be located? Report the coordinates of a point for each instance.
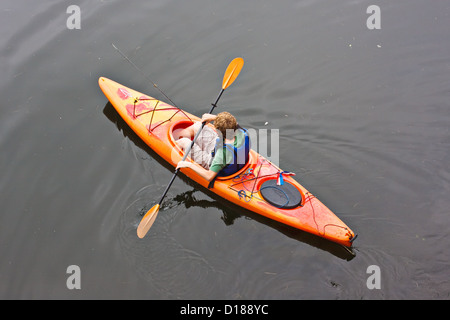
(260, 186)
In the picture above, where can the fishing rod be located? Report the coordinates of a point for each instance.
(143, 74)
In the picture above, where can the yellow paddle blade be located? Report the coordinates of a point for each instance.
(147, 221)
(232, 72)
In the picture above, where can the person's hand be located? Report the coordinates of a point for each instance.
(208, 117)
(183, 164)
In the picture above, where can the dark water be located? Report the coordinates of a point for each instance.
(363, 118)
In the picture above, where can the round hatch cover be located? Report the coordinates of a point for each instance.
(285, 196)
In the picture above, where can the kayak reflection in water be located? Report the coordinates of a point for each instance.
(226, 135)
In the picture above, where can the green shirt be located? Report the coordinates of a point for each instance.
(218, 162)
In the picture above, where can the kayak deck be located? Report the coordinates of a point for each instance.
(157, 124)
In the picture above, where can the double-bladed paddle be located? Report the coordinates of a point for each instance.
(230, 75)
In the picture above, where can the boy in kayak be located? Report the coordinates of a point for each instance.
(222, 151)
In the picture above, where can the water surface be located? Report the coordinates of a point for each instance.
(363, 118)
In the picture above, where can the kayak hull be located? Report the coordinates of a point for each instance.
(157, 124)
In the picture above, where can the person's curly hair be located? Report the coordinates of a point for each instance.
(225, 121)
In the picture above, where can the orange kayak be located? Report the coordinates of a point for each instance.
(157, 124)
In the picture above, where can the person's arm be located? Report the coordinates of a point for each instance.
(206, 174)
(208, 117)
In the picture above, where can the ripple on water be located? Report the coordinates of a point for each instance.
(173, 269)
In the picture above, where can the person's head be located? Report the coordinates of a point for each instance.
(225, 121)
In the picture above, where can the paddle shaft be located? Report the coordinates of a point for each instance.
(214, 105)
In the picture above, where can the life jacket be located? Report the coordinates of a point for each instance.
(240, 155)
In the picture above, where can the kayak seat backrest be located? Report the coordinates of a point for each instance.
(242, 170)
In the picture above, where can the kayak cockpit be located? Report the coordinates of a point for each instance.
(175, 134)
